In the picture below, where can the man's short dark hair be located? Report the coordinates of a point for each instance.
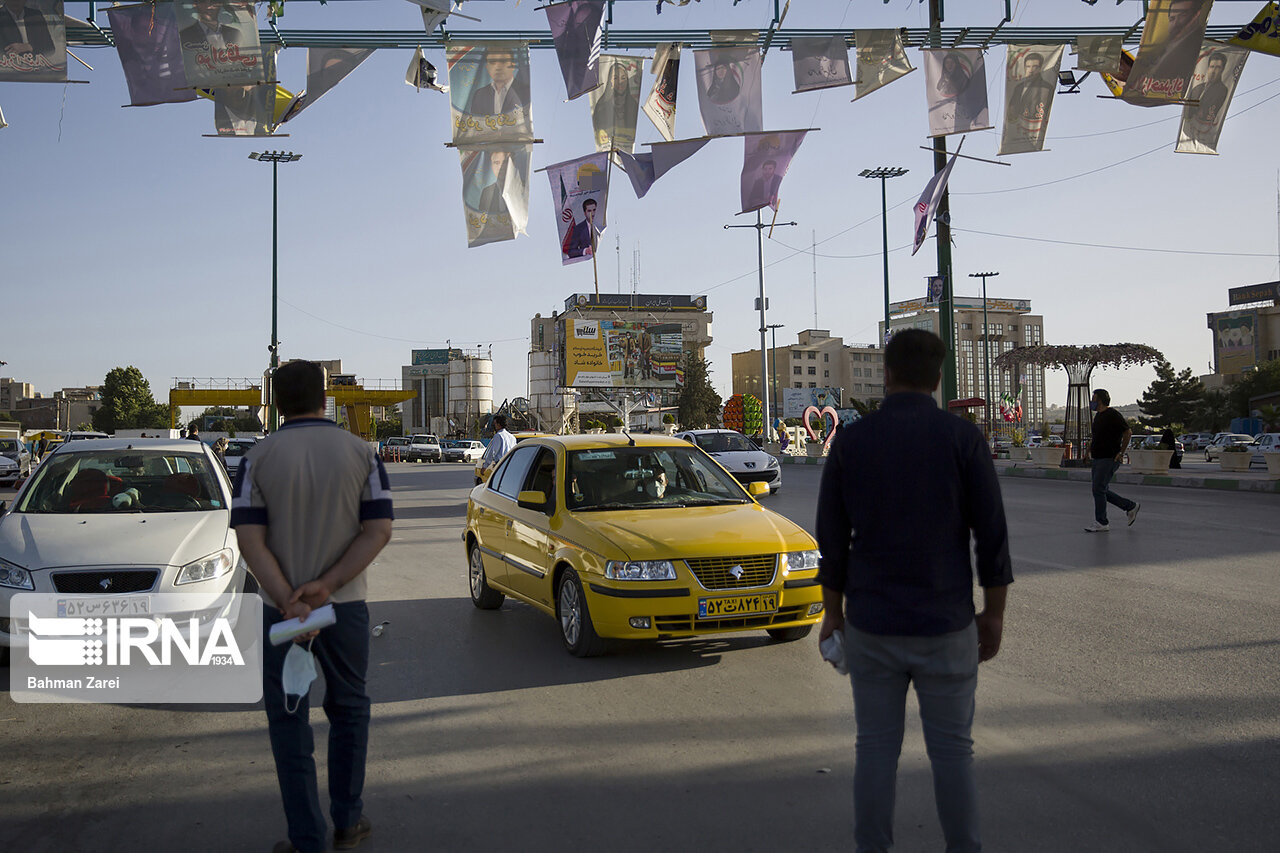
(1101, 395)
(914, 357)
(590, 201)
(299, 387)
(499, 422)
(194, 428)
(1219, 58)
(1037, 57)
(773, 163)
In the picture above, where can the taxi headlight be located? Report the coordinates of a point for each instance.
(15, 577)
(799, 561)
(640, 570)
(206, 568)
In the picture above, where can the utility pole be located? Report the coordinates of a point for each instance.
(774, 327)
(884, 172)
(986, 347)
(946, 308)
(275, 158)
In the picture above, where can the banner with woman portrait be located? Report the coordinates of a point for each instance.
(729, 95)
(615, 104)
(220, 45)
(1212, 86)
(489, 96)
(33, 41)
(146, 40)
(956, 89)
(581, 190)
(1030, 81)
(820, 63)
(495, 191)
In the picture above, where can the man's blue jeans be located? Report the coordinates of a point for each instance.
(1103, 471)
(342, 654)
(944, 670)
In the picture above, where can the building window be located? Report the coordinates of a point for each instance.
(966, 326)
(813, 356)
(813, 384)
(796, 354)
(857, 371)
(813, 371)
(826, 356)
(799, 384)
(797, 369)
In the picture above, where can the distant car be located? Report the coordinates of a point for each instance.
(15, 461)
(1199, 440)
(80, 434)
(738, 454)
(394, 448)
(424, 448)
(1225, 439)
(236, 449)
(1267, 442)
(463, 450)
(1053, 441)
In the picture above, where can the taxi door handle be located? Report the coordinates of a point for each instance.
(510, 524)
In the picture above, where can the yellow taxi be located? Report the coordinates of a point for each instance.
(482, 473)
(636, 537)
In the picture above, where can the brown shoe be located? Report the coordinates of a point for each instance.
(345, 839)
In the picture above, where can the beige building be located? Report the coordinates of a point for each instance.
(1246, 335)
(11, 391)
(815, 360)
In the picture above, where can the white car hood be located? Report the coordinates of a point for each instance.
(736, 460)
(46, 541)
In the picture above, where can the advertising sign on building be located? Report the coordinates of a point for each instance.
(435, 356)
(617, 354)
(1254, 293)
(636, 300)
(796, 400)
(1235, 341)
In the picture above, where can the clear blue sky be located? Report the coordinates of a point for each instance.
(130, 239)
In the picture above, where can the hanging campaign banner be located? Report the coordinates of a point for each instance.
(581, 189)
(729, 95)
(766, 157)
(577, 28)
(247, 110)
(881, 60)
(1115, 82)
(1030, 81)
(495, 192)
(639, 169)
(3, 123)
(668, 155)
(489, 98)
(433, 12)
(1099, 53)
(421, 74)
(33, 41)
(620, 354)
(220, 44)
(956, 87)
(660, 106)
(933, 292)
(1171, 39)
(929, 200)
(820, 63)
(1263, 34)
(1212, 87)
(146, 40)
(327, 66)
(615, 105)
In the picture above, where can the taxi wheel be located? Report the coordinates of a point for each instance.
(482, 595)
(787, 635)
(576, 629)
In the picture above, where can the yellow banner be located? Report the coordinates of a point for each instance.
(586, 361)
(1263, 35)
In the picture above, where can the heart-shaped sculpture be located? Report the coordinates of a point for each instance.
(823, 414)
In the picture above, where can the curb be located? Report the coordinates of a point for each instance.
(787, 459)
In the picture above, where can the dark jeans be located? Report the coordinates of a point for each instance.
(342, 654)
(1103, 471)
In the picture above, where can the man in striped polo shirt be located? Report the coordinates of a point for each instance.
(312, 508)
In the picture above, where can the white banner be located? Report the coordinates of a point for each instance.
(1212, 87)
(495, 192)
(660, 106)
(766, 158)
(1099, 53)
(1171, 39)
(729, 95)
(956, 88)
(421, 74)
(489, 98)
(615, 104)
(881, 59)
(820, 63)
(581, 190)
(1030, 81)
(220, 44)
(33, 41)
(929, 200)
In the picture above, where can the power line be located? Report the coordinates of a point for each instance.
(1110, 246)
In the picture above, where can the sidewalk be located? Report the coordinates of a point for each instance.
(1192, 475)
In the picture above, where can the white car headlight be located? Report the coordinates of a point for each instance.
(206, 568)
(640, 570)
(15, 577)
(799, 561)
(773, 462)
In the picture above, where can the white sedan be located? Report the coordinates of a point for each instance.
(122, 519)
(738, 455)
(463, 450)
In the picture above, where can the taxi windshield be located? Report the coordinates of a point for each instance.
(646, 478)
(724, 442)
(130, 480)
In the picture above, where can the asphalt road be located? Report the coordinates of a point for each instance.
(1135, 706)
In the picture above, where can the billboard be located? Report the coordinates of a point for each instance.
(617, 354)
(796, 400)
(1254, 293)
(1234, 341)
(636, 301)
(435, 356)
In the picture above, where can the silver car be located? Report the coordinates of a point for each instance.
(15, 460)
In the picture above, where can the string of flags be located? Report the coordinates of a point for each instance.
(176, 51)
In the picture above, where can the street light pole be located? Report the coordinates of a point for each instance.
(275, 158)
(774, 327)
(986, 345)
(762, 304)
(884, 172)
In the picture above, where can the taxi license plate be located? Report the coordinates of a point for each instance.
(133, 605)
(737, 605)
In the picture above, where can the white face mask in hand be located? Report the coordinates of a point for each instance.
(298, 673)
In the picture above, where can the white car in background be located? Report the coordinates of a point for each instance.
(15, 460)
(463, 450)
(738, 455)
(1267, 442)
(126, 521)
(236, 449)
(1226, 439)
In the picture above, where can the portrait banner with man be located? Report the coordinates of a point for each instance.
(956, 89)
(248, 110)
(577, 28)
(33, 41)
(581, 190)
(1171, 38)
(880, 58)
(1099, 53)
(1212, 86)
(660, 106)
(729, 94)
(1236, 345)
(495, 191)
(820, 63)
(150, 54)
(220, 45)
(489, 96)
(615, 103)
(1030, 81)
(765, 160)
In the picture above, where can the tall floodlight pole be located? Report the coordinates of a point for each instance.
(275, 158)
(986, 345)
(883, 173)
(762, 304)
(774, 327)
(946, 308)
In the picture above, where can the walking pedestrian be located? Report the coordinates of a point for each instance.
(220, 450)
(904, 600)
(312, 508)
(193, 433)
(499, 446)
(1111, 434)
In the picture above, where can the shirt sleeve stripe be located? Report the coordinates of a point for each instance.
(248, 515)
(376, 509)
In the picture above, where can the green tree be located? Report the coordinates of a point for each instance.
(389, 427)
(698, 403)
(127, 403)
(1263, 379)
(1270, 417)
(1172, 398)
(1213, 413)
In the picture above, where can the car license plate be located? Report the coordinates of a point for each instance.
(120, 605)
(737, 605)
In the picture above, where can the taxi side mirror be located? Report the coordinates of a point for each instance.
(532, 500)
(757, 489)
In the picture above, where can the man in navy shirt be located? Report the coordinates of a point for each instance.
(903, 490)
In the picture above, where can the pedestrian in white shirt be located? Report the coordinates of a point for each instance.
(499, 445)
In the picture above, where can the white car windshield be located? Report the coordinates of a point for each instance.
(646, 478)
(724, 442)
(130, 480)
